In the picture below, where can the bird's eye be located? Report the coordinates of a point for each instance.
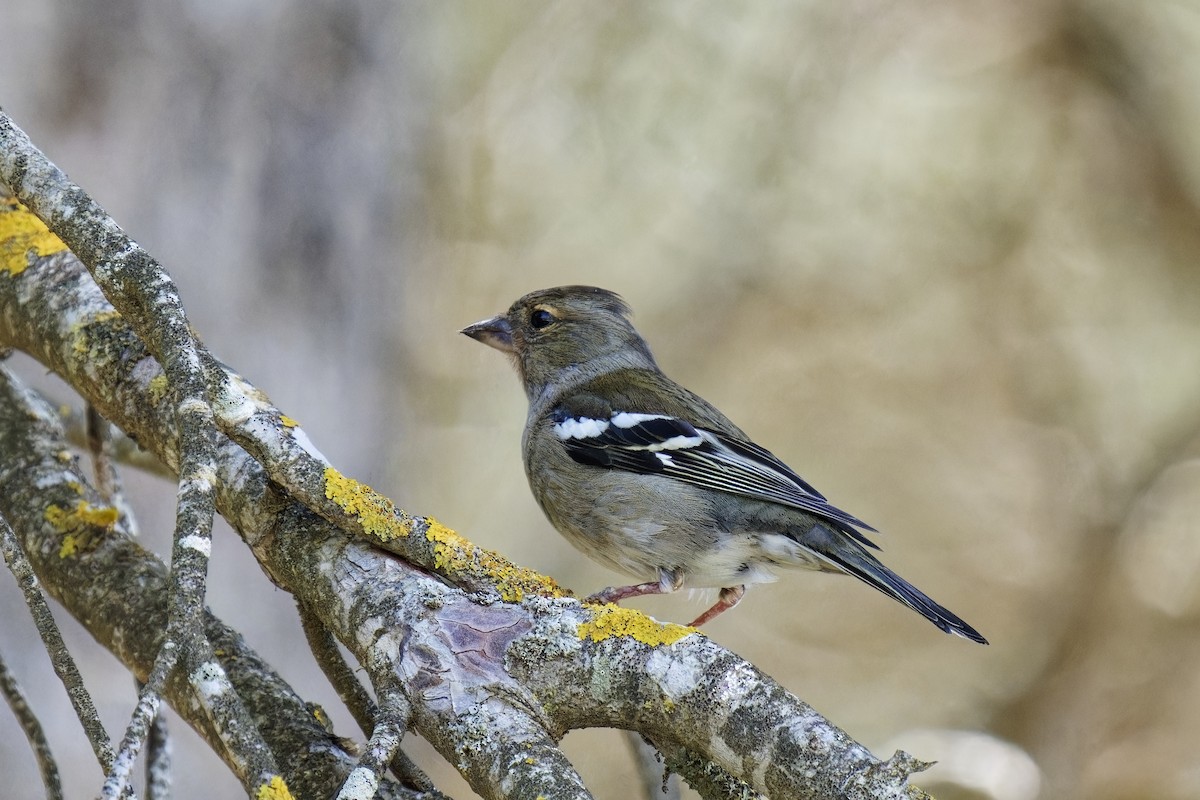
(541, 318)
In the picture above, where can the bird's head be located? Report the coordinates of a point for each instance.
(552, 332)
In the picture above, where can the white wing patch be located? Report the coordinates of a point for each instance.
(580, 428)
(628, 419)
(675, 443)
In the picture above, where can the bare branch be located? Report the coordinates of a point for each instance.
(117, 781)
(158, 760)
(118, 447)
(394, 712)
(117, 591)
(32, 728)
(492, 685)
(147, 299)
(60, 656)
(324, 648)
(658, 783)
(381, 748)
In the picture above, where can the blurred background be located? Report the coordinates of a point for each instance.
(941, 257)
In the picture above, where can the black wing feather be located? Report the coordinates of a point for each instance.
(704, 458)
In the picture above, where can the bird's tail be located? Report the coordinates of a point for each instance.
(848, 557)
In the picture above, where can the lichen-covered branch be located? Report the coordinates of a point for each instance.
(493, 678)
(60, 657)
(32, 727)
(290, 459)
(104, 360)
(158, 760)
(658, 782)
(147, 299)
(323, 646)
(118, 591)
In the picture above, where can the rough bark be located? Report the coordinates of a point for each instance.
(495, 662)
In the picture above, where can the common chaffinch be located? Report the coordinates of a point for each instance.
(651, 480)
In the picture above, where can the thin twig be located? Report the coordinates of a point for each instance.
(29, 723)
(396, 712)
(120, 448)
(117, 779)
(158, 760)
(324, 648)
(146, 296)
(98, 434)
(383, 744)
(60, 656)
(658, 782)
(118, 591)
(354, 696)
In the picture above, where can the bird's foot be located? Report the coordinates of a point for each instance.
(730, 597)
(615, 594)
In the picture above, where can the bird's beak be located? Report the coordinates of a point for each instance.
(494, 332)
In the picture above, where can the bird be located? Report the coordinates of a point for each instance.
(649, 479)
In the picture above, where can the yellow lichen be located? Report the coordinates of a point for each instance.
(378, 515)
(320, 716)
(611, 620)
(22, 233)
(452, 553)
(70, 546)
(81, 331)
(100, 516)
(56, 515)
(274, 789)
(287, 421)
(80, 525)
(158, 388)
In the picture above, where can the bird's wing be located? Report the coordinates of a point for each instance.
(666, 445)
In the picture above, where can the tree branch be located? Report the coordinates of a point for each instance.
(492, 685)
(60, 657)
(118, 591)
(32, 728)
(147, 299)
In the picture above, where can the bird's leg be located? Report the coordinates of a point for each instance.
(615, 594)
(730, 597)
(669, 580)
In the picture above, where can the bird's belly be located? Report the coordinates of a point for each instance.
(659, 523)
(621, 526)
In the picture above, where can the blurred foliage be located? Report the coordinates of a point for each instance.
(940, 256)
